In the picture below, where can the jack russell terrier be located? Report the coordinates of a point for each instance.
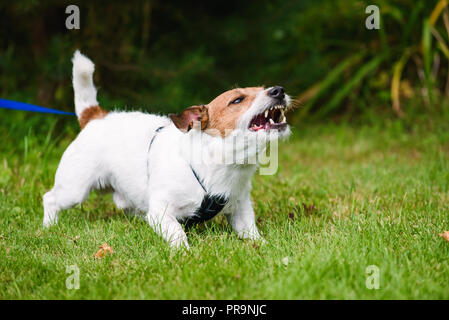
(147, 161)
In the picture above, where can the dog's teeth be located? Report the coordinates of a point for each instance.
(266, 113)
(271, 121)
(282, 111)
(284, 119)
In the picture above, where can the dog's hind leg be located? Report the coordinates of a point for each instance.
(72, 186)
(60, 198)
(121, 203)
(51, 210)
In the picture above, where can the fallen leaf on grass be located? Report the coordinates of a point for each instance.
(445, 235)
(104, 250)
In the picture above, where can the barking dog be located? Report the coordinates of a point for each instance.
(147, 160)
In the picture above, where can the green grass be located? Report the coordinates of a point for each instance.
(345, 197)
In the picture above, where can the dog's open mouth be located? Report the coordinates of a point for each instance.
(272, 118)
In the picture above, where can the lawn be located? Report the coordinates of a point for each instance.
(346, 196)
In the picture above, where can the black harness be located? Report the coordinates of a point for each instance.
(211, 204)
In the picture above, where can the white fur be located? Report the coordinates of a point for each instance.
(114, 152)
(83, 85)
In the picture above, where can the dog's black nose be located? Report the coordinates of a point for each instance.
(276, 92)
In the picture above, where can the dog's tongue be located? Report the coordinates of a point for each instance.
(268, 126)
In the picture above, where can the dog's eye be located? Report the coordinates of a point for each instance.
(238, 100)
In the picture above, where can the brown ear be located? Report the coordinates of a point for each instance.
(191, 117)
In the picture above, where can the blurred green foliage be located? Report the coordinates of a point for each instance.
(163, 56)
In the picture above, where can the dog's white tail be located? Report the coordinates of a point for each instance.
(83, 85)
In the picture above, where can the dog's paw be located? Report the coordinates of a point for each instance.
(259, 239)
(47, 223)
(252, 234)
(180, 243)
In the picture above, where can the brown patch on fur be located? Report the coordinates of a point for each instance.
(223, 115)
(190, 117)
(220, 116)
(90, 114)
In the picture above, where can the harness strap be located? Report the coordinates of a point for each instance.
(152, 139)
(198, 178)
(149, 147)
(210, 206)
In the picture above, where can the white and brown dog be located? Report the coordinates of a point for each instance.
(147, 159)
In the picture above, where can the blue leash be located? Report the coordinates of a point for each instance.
(15, 105)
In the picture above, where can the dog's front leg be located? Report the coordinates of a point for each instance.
(242, 218)
(166, 225)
